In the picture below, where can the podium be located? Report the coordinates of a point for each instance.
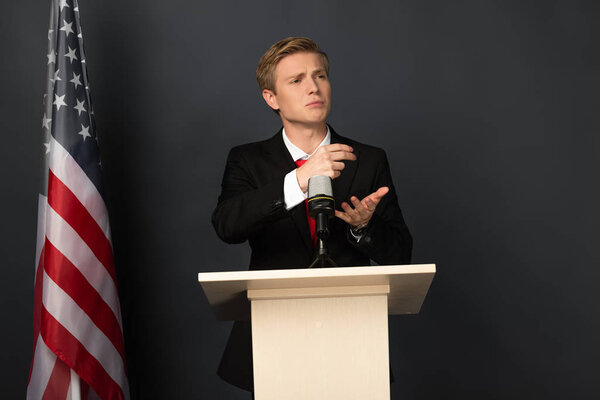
(319, 333)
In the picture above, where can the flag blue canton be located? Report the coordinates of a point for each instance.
(69, 116)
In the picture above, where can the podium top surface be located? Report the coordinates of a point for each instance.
(226, 291)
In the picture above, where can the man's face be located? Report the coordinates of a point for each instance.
(302, 90)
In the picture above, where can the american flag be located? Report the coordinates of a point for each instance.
(78, 350)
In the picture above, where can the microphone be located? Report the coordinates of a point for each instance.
(321, 207)
(321, 204)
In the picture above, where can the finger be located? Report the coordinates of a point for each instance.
(382, 191)
(338, 147)
(338, 166)
(358, 206)
(343, 155)
(351, 216)
(364, 214)
(346, 207)
(366, 209)
(369, 204)
(376, 196)
(343, 216)
(355, 214)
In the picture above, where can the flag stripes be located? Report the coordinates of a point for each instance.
(41, 368)
(65, 168)
(62, 200)
(65, 238)
(59, 382)
(68, 277)
(37, 307)
(61, 341)
(91, 342)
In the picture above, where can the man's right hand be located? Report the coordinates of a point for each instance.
(327, 160)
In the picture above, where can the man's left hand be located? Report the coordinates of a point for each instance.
(363, 210)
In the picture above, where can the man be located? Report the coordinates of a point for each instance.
(265, 185)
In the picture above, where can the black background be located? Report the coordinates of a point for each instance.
(488, 111)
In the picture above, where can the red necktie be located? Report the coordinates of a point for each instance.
(311, 222)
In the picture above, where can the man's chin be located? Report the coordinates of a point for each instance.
(317, 118)
(312, 121)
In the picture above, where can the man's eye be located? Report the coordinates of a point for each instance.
(322, 76)
(296, 81)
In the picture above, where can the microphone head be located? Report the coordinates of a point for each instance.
(319, 185)
(320, 196)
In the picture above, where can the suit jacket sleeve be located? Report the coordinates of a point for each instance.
(244, 205)
(387, 240)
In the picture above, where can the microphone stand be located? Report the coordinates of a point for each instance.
(322, 258)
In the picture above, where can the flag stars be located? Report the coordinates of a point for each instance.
(76, 80)
(85, 132)
(79, 107)
(47, 146)
(67, 28)
(71, 55)
(63, 4)
(50, 34)
(46, 122)
(56, 77)
(51, 57)
(59, 101)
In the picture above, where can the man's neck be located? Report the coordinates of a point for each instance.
(306, 138)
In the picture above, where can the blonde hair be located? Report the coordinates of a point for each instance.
(265, 72)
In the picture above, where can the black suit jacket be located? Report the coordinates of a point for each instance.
(251, 207)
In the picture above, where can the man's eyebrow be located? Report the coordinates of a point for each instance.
(297, 75)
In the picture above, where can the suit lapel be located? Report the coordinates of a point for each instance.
(282, 160)
(341, 185)
(278, 155)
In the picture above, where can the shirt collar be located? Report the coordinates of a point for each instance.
(297, 153)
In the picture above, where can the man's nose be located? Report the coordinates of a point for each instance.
(311, 86)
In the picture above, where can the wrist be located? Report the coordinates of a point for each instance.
(360, 228)
(302, 182)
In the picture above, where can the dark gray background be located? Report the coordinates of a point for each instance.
(488, 111)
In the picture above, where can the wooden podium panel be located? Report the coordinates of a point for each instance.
(330, 345)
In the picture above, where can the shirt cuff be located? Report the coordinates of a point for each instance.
(355, 236)
(292, 194)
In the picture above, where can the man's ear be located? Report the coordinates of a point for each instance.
(270, 99)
